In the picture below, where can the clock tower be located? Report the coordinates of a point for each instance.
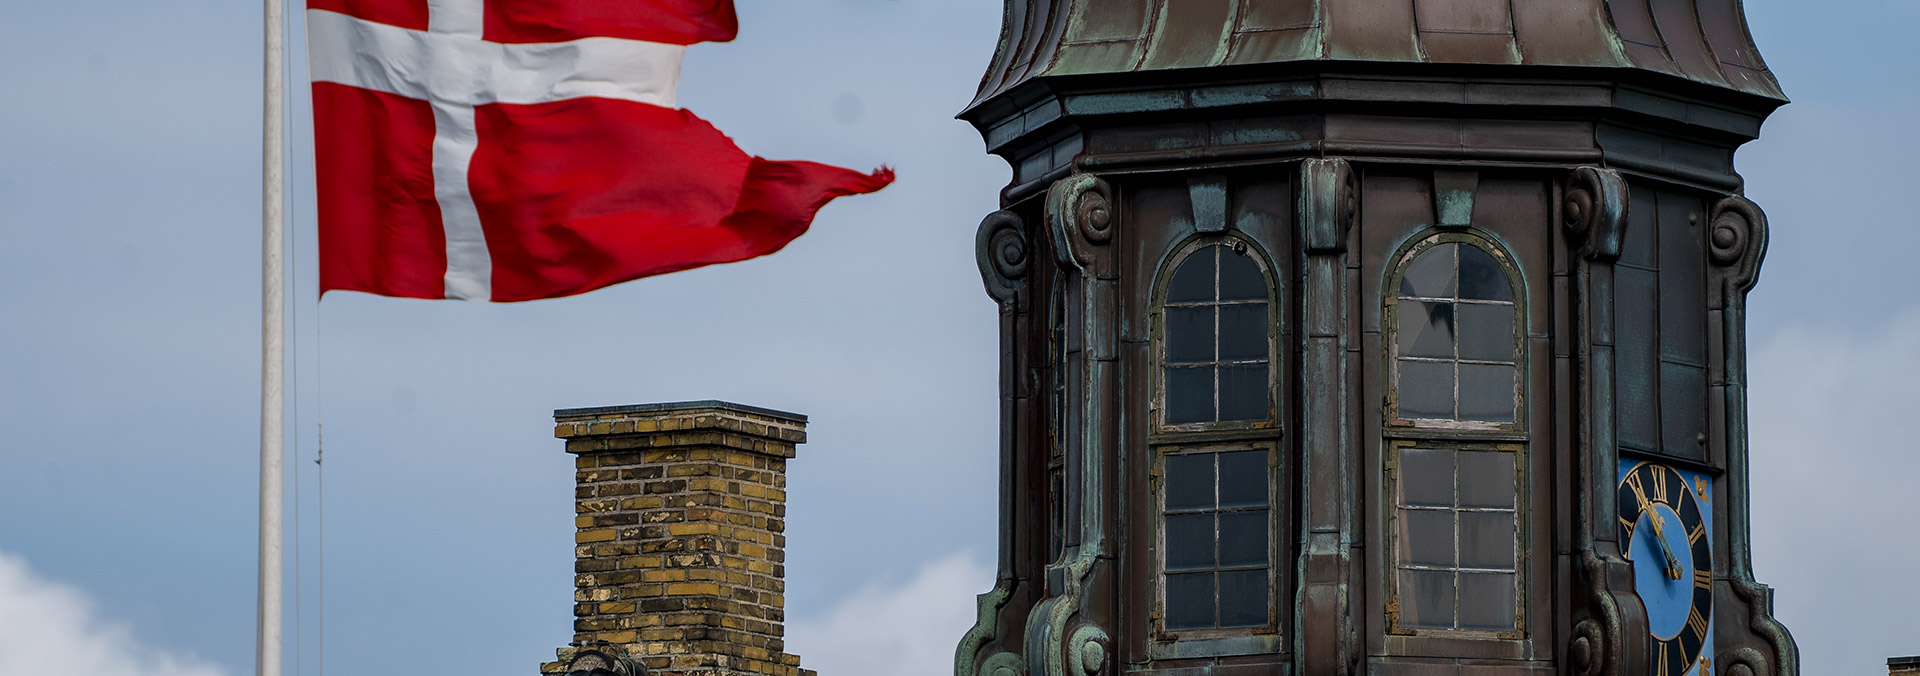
(1346, 336)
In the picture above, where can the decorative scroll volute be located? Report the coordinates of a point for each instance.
(1594, 212)
(1736, 243)
(1001, 249)
(1081, 218)
(1328, 184)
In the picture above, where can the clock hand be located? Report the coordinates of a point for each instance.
(1673, 564)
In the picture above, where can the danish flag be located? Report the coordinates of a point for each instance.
(511, 150)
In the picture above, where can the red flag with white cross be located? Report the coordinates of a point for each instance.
(512, 150)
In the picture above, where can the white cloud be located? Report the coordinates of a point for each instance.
(50, 628)
(1834, 465)
(885, 630)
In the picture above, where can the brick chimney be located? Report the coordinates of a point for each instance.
(679, 552)
(1903, 666)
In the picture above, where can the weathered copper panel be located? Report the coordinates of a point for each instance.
(1266, 15)
(1567, 32)
(1633, 19)
(1098, 57)
(1113, 20)
(1191, 34)
(1469, 47)
(1371, 31)
(1463, 16)
(1685, 44)
(1273, 46)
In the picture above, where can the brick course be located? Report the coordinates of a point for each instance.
(679, 556)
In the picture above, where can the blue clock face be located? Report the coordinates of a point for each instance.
(1666, 530)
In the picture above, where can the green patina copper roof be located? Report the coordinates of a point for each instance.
(1704, 41)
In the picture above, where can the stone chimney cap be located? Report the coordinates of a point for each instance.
(1903, 661)
(596, 411)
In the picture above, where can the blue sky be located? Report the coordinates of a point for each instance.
(129, 330)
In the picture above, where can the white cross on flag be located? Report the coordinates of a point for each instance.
(511, 150)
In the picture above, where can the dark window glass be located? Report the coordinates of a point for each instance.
(1193, 282)
(1431, 276)
(1426, 329)
(1217, 334)
(1456, 347)
(1481, 278)
(1243, 598)
(1216, 539)
(1240, 278)
(1457, 539)
(1189, 395)
(1189, 481)
(1190, 601)
(1243, 478)
(1426, 389)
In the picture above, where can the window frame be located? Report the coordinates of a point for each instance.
(1456, 435)
(1164, 439)
(1158, 317)
(1390, 332)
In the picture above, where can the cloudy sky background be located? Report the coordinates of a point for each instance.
(129, 335)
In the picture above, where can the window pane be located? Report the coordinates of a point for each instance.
(1486, 332)
(1189, 335)
(1486, 540)
(1243, 538)
(1481, 278)
(1487, 601)
(1425, 390)
(1243, 332)
(1426, 477)
(1240, 277)
(1189, 541)
(1430, 275)
(1189, 395)
(1486, 479)
(1189, 481)
(1190, 601)
(1429, 537)
(1243, 479)
(1426, 598)
(1486, 393)
(1426, 329)
(1244, 392)
(1193, 282)
(1243, 598)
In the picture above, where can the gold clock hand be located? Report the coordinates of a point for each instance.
(1673, 564)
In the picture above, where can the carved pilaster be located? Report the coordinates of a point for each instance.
(1737, 242)
(1063, 637)
(1002, 250)
(1326, 635)
(1610, 632)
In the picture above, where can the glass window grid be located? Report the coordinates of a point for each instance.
(1215, 306)
(1454, 361)
(1456, 435)
(1215, 510)
(1454, 511)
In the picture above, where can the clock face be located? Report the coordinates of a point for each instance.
(1666, 530)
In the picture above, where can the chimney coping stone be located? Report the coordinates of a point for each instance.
(570, 414)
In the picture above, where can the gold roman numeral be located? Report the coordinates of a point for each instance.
(1660, 488)
(1699, 531)
(1703, 579)
(1626, 523)
(1696, 623)
(1663, 658)
(1639, 492)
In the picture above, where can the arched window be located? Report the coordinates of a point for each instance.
(1455, 448)
(1217, 349)
(1216, 494)
(1455, 349)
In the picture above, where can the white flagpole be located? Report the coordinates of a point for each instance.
(273, 349)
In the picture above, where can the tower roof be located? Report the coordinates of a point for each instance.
(1704, 41)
